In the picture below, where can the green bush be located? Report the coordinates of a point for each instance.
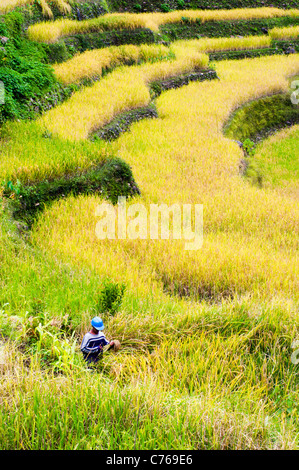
(117, 180)
(156, 5)
(165, 7)
(23, 70)
(249, 147)
(110, 297)
(57, 52)
(111, 180)
(259, 117)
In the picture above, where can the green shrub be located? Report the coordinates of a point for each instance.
(24, 72)
(249, 147)
(259, 117)
(165, 7)
(111, 180)
(56, 52)
(110, 297)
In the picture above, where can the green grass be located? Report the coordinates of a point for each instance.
(257, 118)
(30, 153)
(277, 159)
(273, 161)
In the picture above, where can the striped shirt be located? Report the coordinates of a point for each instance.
(93, 344)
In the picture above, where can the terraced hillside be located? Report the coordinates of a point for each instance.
(166, 104)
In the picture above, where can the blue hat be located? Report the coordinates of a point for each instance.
(97, 323)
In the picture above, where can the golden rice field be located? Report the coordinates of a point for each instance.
(92, 63)
(250, 234)
(224, 44)
(52, 31)
(124, 89)
(278, 153)
(285, 33)
(179, 57)
(8, 5)
(207, 334)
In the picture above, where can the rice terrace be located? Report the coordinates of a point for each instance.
(149, 185)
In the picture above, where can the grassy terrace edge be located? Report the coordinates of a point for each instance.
(190, 375)
(259, 118)
(111, 179)
(66, 47)
(122, 123)
(50, 32)
(256, 121)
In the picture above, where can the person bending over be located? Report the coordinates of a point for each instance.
(94, 342)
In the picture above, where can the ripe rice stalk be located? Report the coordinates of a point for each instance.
(285, 33)
(91, 64)
(250, 241)
(51, 32)
(122, 90)
(222, 44)
(46, 9)
(63, 6)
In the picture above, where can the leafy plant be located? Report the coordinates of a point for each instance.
(110, 297)
(111, 180)
(165, 7)
(249, 147)
(11, 190)
(23, 70)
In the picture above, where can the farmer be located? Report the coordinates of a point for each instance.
(94, 341)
